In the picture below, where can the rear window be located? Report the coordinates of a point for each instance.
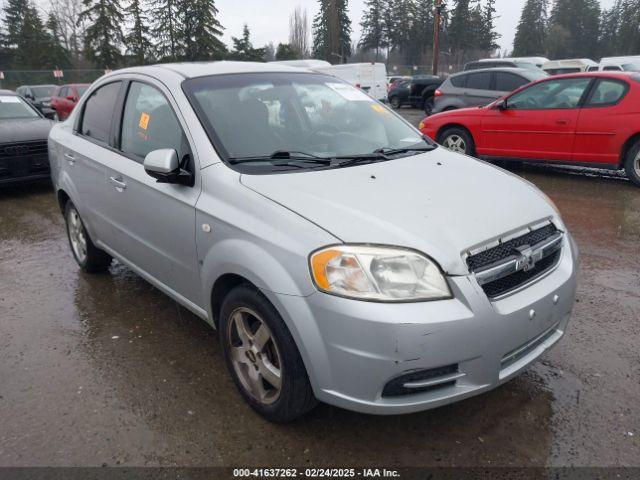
(562, 71)
(508, 82)
(608, 92)
(458, 81)
(479, 81)
(98, 112)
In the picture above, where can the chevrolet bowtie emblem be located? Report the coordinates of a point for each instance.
(528, 258)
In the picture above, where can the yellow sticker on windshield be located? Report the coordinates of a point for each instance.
(144, 120)
(378, 108)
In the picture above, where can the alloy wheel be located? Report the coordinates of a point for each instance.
(455, 143)
(255, 356)
(77, 235)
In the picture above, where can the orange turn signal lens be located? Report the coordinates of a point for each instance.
(319, 267)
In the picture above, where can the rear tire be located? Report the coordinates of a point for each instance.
(632, 163)
(457, 140)
(428, 106)
(262, 357)
(395, 103)
(90, 258)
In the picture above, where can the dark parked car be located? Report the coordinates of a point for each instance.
(417, 92)
(39, 96)
(23, 140)
(480, 87)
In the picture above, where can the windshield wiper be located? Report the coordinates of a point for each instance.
(289, 158)
(398, 151)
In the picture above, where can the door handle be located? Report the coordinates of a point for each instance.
(562, 122)
(70, 158)
(118, 183)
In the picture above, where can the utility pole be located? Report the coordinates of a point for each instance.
(436, 35)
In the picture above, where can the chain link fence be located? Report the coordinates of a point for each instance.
(445, 69)
(15, 78)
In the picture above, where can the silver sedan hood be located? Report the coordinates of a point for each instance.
(440, 203)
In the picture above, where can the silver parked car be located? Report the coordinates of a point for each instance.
(481, 87)
(342, 256)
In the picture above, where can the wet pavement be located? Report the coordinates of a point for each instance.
(106, 370)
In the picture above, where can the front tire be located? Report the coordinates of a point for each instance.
(90, 258)
(395, 103)
(457, 140)
(632, 163)
(262, 357)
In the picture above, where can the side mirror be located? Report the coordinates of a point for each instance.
(71, 98)
(164, 166)
(502, 105)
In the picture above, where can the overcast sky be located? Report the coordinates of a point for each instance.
(269, 19)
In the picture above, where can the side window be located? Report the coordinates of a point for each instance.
(508, 82)
(612, 68)
(63, 92)
(550, 95)
(479, 81)
(98, 112)
(608, 92)
(149, 123)
(458, 81)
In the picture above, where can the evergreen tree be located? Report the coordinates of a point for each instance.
(487, 35)
(460, 30)
(286, 52)
(372, 24)
(572, 27)
(201, 31)
(165, 31)
(137, 39)
(531, 35)
(628, 42)
(103, 36)
(332, 32)
(243, 48)
(58, 54)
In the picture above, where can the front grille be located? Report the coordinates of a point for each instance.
(23, 160)
(516, 262)
(14, 150)
(514, 281)
(506, 249)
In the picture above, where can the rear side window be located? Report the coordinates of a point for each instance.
(508, 82)
(612, 69)
(607, 92)
(458, 81)
(98, 112)
(479, 81)
(149, 123)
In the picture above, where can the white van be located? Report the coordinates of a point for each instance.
(620, 64)
(369, 77)
(574, 65)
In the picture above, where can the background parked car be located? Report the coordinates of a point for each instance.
(39, 96)
(575, 65)
(620, 64)
(23, 140)
(65, 98)
(480, 87)
(417, 92)
(581, 119)
(499, 63)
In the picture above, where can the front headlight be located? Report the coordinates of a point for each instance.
(383, 274)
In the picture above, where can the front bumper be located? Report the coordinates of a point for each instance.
(352, 349)
(24, 169)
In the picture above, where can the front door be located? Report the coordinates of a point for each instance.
(538, 122)
(153, 223)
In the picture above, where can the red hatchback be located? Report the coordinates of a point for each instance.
(590, 119)
(65, 98)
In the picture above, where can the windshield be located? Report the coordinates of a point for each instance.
(14, 107)
(43, 91)
(255, 115)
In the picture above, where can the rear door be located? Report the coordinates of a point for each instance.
(603, 124)
(154, 223)
(539, 122)
(85, 155)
